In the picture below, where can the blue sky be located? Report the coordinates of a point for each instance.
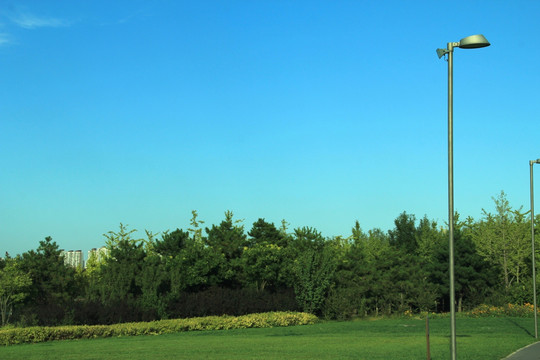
(317, 112)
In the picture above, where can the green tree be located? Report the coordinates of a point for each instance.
(300, 241)
(347, 296)
(113, 239)
(192, 267)
(358, 236)
(95, 260)
(14, 283)
(375, 242)
(373, 249)
(263, 232)
(376, 277)
(397, 282)
(428, 238)
(284, 228)
(474, 277)
(307, 238)
(228, 240)
(404, 233)
(263, 256)
(152, 280)
(195, 229)
(262, 265)
(92, 279)
(53, 284)
(503, 239)
(171, 243)
(121, 268)
(314, 272)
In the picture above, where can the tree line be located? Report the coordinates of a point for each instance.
(223, 269)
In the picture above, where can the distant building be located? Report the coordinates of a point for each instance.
(73, 258)
(99, 254)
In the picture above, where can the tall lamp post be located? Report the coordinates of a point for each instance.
(531, 163)
(470, 42)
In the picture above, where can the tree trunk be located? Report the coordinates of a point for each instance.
(505, 270)
(4, 309)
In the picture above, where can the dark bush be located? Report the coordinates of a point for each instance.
(344, 303)
(220, 301)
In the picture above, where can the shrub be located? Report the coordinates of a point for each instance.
(525, 310)
(217, 301)
(40, 334)
(344, 304)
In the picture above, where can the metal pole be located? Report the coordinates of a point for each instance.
(531, 163)
(453, 346)
(428, 353)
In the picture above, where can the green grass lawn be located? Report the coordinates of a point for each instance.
(481, 338)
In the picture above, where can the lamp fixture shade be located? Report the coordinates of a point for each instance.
(473, 42)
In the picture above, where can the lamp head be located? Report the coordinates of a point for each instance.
(473, 42)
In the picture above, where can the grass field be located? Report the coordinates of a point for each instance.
(480, 338)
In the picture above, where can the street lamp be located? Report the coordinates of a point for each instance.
(470, 42)
(531, 163)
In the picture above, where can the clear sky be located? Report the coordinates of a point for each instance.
(317, 112)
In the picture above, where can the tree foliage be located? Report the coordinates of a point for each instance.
(226, 270)
(503, 239)
(53, 284)
(474, 278)
(314, 272)
(404, 234)
(14, 283)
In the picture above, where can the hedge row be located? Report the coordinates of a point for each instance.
(40, 334)
(524, 310)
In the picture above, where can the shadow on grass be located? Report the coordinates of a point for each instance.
(284, 334)
(458, 336)
(513, 322)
